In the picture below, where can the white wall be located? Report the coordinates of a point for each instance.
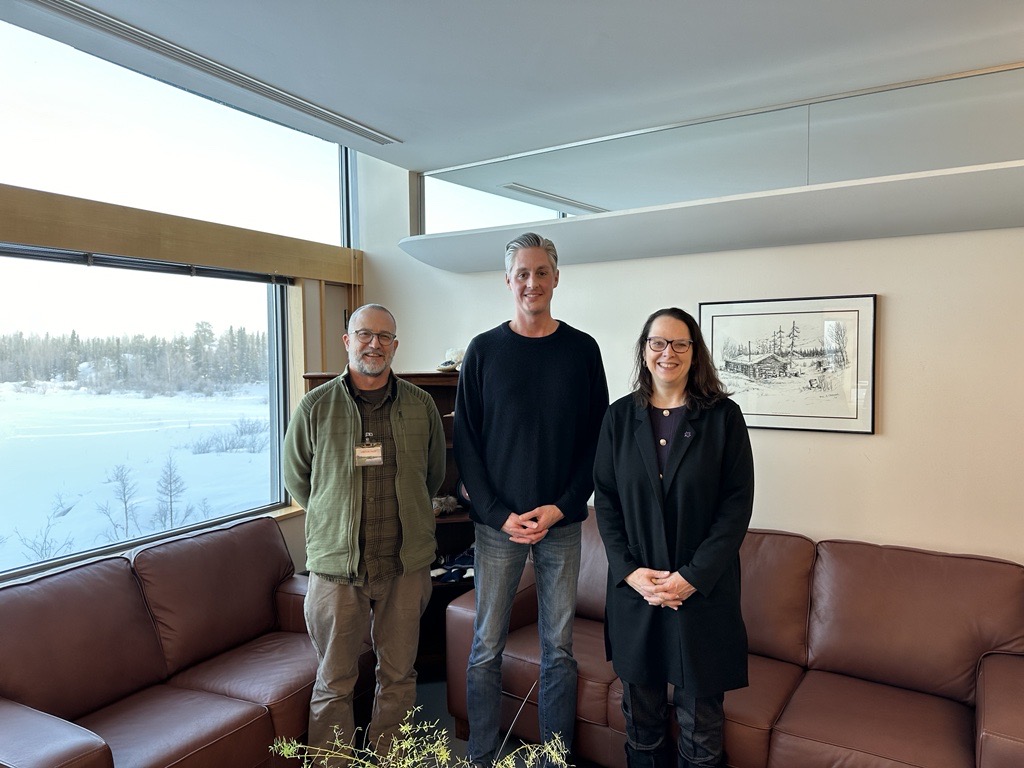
(944, 469)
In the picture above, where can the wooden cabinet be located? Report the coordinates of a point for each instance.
(454, 531)
(441, 387)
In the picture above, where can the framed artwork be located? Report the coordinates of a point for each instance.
(797, 363)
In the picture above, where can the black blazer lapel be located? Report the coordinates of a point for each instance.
(644, 436)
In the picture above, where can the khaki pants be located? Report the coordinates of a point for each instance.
(338, 616)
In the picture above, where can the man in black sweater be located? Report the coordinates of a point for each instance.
(531, 397)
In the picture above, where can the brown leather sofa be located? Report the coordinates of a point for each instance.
(860, 655)
(190, 652)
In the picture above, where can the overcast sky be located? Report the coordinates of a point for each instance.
(101, 301)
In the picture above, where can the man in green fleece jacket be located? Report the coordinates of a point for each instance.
(363, 455)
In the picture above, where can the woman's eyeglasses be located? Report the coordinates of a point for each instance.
(658, 344)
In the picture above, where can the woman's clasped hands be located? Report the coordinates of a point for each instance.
(662, 589)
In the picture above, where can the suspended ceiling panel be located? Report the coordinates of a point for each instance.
(951, 200)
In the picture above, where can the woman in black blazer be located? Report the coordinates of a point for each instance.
(674, 488)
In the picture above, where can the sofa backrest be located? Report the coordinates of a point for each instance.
(775, 569)
(593, 581)
(915, 619)
(75, 640)
(213, 590)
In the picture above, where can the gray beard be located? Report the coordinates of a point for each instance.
(363, 365)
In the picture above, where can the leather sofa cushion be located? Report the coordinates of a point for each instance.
(776, 595)
(520, 668)
(595, 673)
(910, 618)
(616, 720)
(164, 726)
(56, 742)
(276, 670)
(593, 582)
(838, 720)
(214, 590)
(751, 712)
(598, 745)
(76, 640)
(597, 686)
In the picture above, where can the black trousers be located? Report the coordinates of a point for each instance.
(701, 722)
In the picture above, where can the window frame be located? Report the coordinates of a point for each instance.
(91, 229)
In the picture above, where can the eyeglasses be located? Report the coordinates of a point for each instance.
(658, 344)
(365, 337)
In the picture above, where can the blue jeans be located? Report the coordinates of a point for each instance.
(498, 567)
(701, 722)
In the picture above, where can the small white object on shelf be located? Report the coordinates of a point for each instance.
(452, 360)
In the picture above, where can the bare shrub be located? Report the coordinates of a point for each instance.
(246, 436)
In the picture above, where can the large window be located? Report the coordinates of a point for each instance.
(138, 396)
(132, 403)
(77, 125)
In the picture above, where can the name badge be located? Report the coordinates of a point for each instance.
(368, 453)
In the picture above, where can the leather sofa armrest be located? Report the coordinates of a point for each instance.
(1000, 711)
(459, 616)
(33, 739)
(290, 596)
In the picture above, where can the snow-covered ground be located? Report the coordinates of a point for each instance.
(59, 446)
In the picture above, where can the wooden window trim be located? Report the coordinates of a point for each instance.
(49, 220)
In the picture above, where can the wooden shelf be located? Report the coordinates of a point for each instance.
(457, 517)
(316, 378)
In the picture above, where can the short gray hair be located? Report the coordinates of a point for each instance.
(379, 307)
(529, 240)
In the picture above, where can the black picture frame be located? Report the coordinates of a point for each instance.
(800, 363)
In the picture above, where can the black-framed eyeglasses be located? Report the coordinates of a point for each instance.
(658, 344)
(365, 337)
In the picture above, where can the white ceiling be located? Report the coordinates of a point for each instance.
(461, 81)
(759, 95)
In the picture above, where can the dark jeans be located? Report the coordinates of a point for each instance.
(499, 563)
(701, 721)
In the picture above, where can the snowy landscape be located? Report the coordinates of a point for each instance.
(78, 467)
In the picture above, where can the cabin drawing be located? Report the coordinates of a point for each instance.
(768, 366)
